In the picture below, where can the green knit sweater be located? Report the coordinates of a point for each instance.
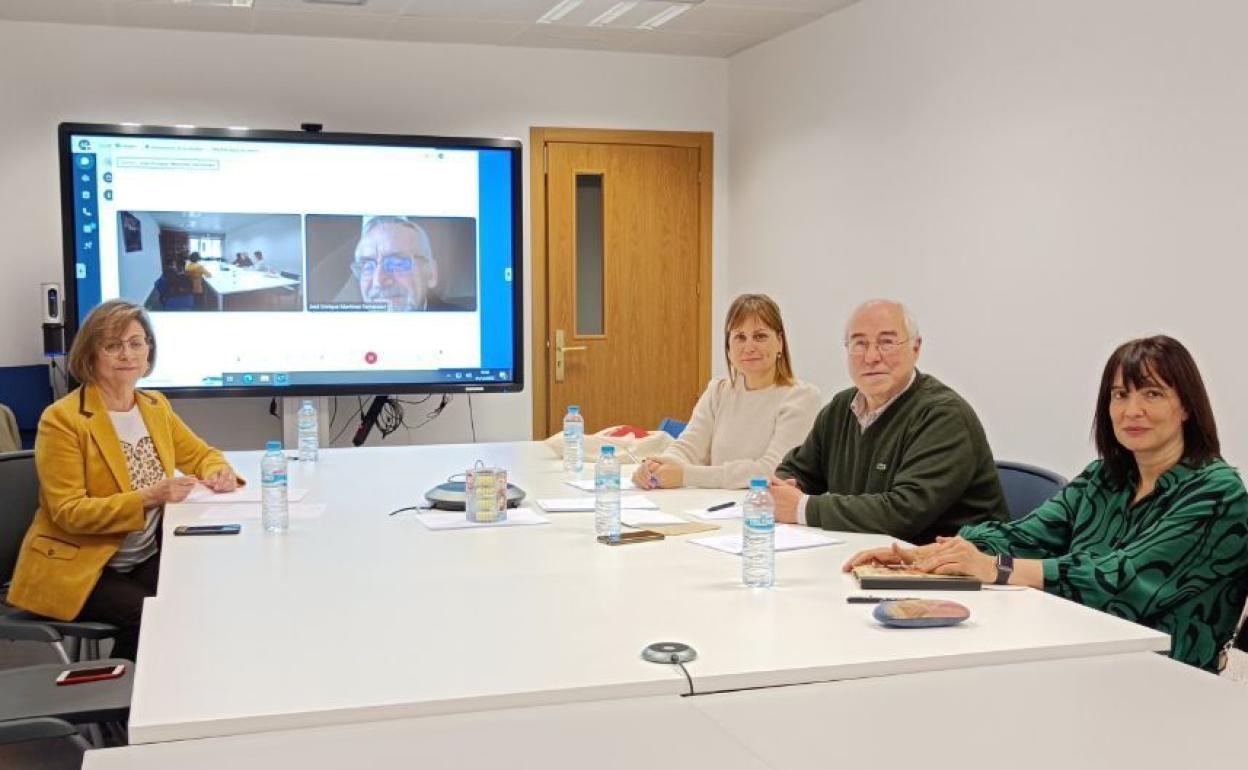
(1176, 561)
(922, 469)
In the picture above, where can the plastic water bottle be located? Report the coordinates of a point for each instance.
(309, 439)
(758, 535)
(574, 440)
(607, 495)
(274, 511)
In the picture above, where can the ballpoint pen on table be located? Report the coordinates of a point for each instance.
(877, 599)
(720, 506)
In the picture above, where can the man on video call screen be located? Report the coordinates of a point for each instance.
(394, 265)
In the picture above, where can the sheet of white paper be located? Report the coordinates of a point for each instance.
(587, 485)
(731, 512)
(247, 494)
(572, 504)
(648, 518)
(249, 512)
(516, 517)
(787, 539)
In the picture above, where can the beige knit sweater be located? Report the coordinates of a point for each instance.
(736, 434)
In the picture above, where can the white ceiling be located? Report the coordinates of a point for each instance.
(710, 28)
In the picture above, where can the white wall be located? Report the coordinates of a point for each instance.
(52, 73)
(1039, 180)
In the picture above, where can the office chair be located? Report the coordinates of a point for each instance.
(1026, 486)
(19, 497)
(34, 707)
(672, 427)
(10, 434)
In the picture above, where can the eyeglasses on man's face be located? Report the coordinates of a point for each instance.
(364, 267)
(136, 345)
(886, 344)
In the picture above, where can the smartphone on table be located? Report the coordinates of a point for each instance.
(640, 536)
(82, 675)
(207, 529)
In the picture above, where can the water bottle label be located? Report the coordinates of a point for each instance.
(765, 523)
(269, 478)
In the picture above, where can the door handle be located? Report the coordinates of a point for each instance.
(560, 349)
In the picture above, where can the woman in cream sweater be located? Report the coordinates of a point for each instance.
(745, 422)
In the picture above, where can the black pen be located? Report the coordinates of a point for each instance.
(721, 506)
(877, 599)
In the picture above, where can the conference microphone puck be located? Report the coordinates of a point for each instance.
(669, 652)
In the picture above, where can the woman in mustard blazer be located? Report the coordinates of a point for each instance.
(105, 455)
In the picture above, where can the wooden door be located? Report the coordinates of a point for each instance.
(625, 261)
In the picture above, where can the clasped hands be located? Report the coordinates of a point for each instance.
(176, 489)
(659, 473)
(947, 556)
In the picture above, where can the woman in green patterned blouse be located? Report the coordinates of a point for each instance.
(1155, 531)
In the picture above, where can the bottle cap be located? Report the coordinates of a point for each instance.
(273, 446)
(574, 410)
(756, 483)
(608, 451)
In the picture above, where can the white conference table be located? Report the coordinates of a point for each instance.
(240, 280)
(1134, 710)
(358, 616)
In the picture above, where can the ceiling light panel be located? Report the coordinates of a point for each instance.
(558, 11)
(612, 13)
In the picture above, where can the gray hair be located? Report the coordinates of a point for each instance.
(422, 239)
(907, 318)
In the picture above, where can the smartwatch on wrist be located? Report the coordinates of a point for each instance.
(1005, 568)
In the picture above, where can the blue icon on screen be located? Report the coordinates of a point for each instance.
(86, 195)
(108, 176)
(248, 379)
(85, 161)
(83, 144)
(108, 195)
(281, 378)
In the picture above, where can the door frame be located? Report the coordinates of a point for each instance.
(539, 138)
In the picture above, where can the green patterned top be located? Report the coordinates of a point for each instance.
(1176, 561)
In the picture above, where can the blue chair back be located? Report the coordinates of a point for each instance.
(672, 427)
(1026, 486)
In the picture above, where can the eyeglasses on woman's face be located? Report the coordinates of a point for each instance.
(136, 345)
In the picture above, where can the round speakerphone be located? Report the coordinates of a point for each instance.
(450, 496)
(669, 652)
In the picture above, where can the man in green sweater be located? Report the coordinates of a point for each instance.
(900, 454)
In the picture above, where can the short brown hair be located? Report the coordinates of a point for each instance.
(108, 319)
(765, 309)
(1158, 360)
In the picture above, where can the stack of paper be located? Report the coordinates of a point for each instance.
(248, 494)
(587, 485)
(640, 519)
(570, 504)
(516, 517)
(787, 539)
(251, 511)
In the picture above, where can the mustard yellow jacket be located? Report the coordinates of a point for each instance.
(87, 504)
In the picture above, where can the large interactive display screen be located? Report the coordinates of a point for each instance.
(301, 263)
